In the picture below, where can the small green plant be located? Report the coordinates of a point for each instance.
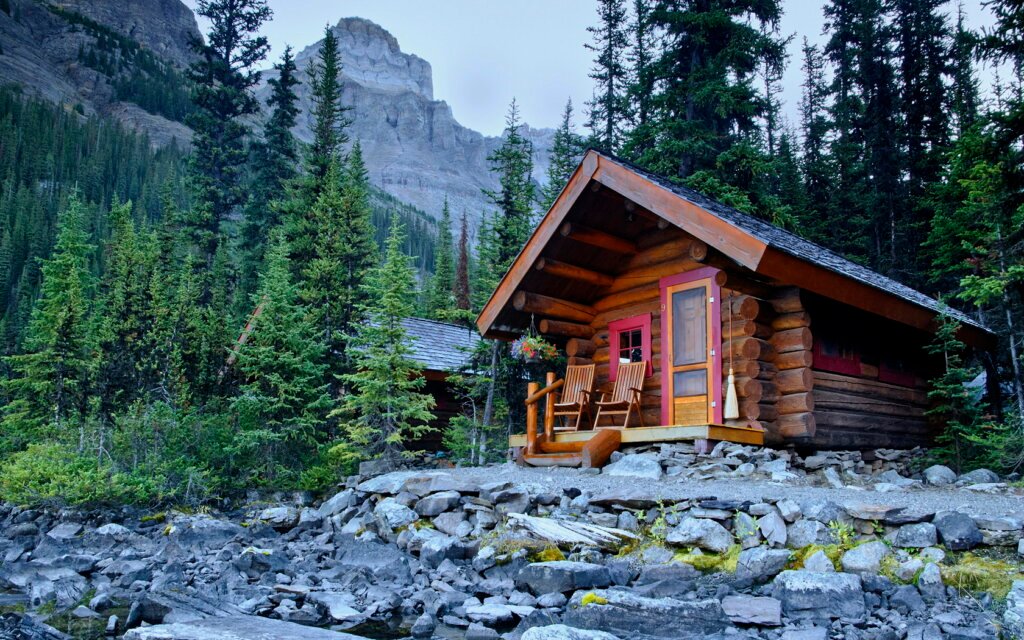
(590, 598)
(548, 554)
(154, 517)
(711, 562)
(843, 534)
(975, 573)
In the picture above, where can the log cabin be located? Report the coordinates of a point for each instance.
(628, 266)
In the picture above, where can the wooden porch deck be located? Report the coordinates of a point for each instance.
(668, 433)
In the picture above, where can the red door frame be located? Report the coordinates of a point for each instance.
(708, 273)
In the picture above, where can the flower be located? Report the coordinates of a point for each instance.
(533, 348)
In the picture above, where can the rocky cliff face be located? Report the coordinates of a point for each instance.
(415, 148)
(41, 49)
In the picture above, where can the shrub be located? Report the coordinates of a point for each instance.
(50, 473)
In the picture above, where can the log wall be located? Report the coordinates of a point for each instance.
(854, 412)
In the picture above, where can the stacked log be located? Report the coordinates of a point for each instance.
(793, 343)
(746, 329)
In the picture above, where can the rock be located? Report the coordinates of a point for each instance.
(957, 531)
(424, 626)
(204, 532)
(235, 628)
(820, 596)
(907, 600)
(562, 632)
(833, 479)
(806, 532)
(490, 614)
(280, 518)
(17, 626)
(929, 583)
(908, 570)
(63, 531)
(939, 475)
(337, 606)
(893, 477)
(113, 530)
(83, 612)
(552, 600)
(254, 561)
(788, 509)
(449, 522)
(635, 466)
(866, 558)
(873, 512)
(387, 484)
(626, 498)
(760, 611)
(393, 514)
(701, 533)
(562, 576)
(437, 503)
(383, 561)
(979, 476)
(916, 536)
(628, 615)
(761, 564)
(819, 562)
(1013, 618)
(811, 633)
(338, 503)
(773, 528)
(477, 631)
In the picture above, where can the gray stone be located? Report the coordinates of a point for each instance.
(773, 528)
(424, 626)
(761, 564)
(337, 606)
(552, 600)
(437, 503)
(562, 632)
(916, 536)
(810, 595)
(956, 530)
(338, 503)
(701, 533)
(789, 510)
(939, 475)
(629, 615)
(907, 600)
(866, 558)
(1013, 619)
(562, 576)
(979, 476)
(626, 497)
(818, 562)
(929, 583)
(449, 522)
(281, 518)
(806, 532)
(387, 484)
(490, 614)
(873, 512)
(235, 628)
(635, 466)
(810, 633)
(760, 611)
(63, 531)
(833, 479)
(393, 514)
(476, 631)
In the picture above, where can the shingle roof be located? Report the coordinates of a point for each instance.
(440, 346)
(798, 247)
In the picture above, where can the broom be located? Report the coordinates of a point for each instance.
(732, 405)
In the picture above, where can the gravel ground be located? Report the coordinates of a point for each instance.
(915, 501)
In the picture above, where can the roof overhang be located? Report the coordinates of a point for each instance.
(737, 244)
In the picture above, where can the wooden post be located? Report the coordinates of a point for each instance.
(531, 419)
(549, 409)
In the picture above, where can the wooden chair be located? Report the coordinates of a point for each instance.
(575, 398)
(624, 398)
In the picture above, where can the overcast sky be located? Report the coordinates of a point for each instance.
(484, 52)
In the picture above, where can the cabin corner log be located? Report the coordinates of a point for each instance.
(797, 425)
(544, 305)
(795, 403)
(566, 329)
(596, 238)
(791, 320)
(794, 360)
(577, 347)
(794, 380)
(573, 272)
(797, 339)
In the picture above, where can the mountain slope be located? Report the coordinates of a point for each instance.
(414, 147)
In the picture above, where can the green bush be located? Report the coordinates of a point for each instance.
(50, 473)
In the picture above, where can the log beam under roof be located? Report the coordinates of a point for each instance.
(572, 272)
(552, 307)
(597, 238)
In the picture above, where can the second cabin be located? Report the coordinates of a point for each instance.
(628, 267)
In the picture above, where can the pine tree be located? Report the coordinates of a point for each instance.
(566, 149)
(49, 383)
(963, 95)
(815, 162)
(440, 296)
(224, 75)
(274, 166)
(341, 237)
(461, 288)
(283, 398)
(386, 412)
(329, 115)
(641, 57)
(608, 109)
(513, 164)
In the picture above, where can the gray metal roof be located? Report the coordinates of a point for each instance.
(798, 247)
(440, 346)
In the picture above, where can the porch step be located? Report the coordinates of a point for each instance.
(591, 453)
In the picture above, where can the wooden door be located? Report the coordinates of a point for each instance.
(688, 359)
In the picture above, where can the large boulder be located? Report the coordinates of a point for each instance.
(235, 628)
(760, 611)
(807, 532)
(382, 561)
(281, 518)
(388, 483)
(807, 595)
(702, 533)
(957, 531)
(393, 514)
(865, 559)
(437, 503)
(939, 475)
(979, 476)
(635, 466)
(562, 576)
(916, 536)
(628, 615)
(338, 503)
(562, 632)
(761, 564)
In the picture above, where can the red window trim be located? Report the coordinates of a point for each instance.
(825, 362)
(615, 327)
(892, 376)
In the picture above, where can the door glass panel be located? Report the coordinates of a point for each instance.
(690, 383)
(689, 327)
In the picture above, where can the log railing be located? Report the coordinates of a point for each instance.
(534, 394)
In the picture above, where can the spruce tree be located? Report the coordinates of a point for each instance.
(224, 75)
(641, 56)
(283, 398)
(963, 94)
(608, 108)
(461, 290)
(815, 161)
(48, 389)
(512, 161)
(566, 149)
(386, 411)
(330, 117)
(440, 295)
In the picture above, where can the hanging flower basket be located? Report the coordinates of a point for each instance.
(533, 349)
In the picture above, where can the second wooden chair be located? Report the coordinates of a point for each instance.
(624, 399)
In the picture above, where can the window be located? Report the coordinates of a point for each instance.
(834, 355)
(896, 371)
(629, 340)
